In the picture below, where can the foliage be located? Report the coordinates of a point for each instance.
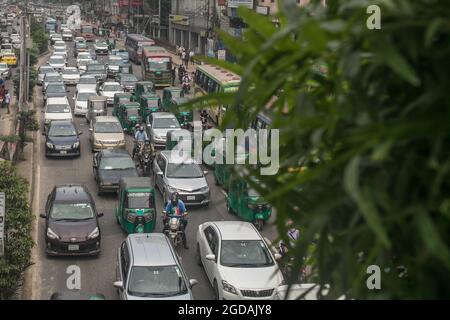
(38, 35)
(18, 222)
(10, 138)
(372, 134)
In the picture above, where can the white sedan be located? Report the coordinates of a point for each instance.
(237, 261)
(109, 89)
(70, 75)
(81, 102)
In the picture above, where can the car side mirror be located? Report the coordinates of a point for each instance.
(100, 214)
(159, 173)
(192, 282)
(149, 125)
(118, 284)
(43, 215)
(80, 132)
(211, 257)
(205, 172)
(277, 256)
(91, 129)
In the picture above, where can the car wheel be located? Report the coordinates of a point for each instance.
(199, 258)
(216, 291)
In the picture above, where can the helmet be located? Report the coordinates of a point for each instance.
(137, 126)
(141, 128)
(174, 199)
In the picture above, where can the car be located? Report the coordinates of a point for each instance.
(110, 166)
(106, 133)
(127, 81)
(60, 51)
(98, 70)
(237, 261)
(87, 83)
(159, 124)
(70, 75)
(113, 65)
(5, 73)
(57, 89)
(62, 139)
(43, 70)
(71, 222)
(101, 47)
(109, 89)
(57, 62)
(51, 77)
(54, 112)
(81, 101)
(84, 55)
(55, 37)
(16, 42)
(186, 178)
(80, 47)
(122, 53)
(148, 268)
(78, 39)
(82, 65)
(67, 36)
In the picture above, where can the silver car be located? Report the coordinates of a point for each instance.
(148, 268)
(43, 70)
(57, 62)
(70, 75)
(159, 124)
(186, 178)
(4, 70)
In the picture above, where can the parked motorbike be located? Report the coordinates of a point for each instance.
(173, 228)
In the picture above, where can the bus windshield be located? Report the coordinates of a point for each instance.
(158, 64)
(87, 29)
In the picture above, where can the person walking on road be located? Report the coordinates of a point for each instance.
(183, 56)
(191, 56)
(174, 73)
(7, 101)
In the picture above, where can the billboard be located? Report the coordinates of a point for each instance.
(237, 3)
(134, 3)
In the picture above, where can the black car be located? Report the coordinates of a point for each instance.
(110, 166)
(127, 81)
(62, 139)
(71, 222)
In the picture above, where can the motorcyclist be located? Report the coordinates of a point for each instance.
(139, 137)
(186, 83)
(175, 206)
(293, 235)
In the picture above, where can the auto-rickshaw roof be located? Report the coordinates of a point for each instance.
(130, 104)
(180, 100)
(172, 89)
(97, 98)
(136, 182)
(152, 96)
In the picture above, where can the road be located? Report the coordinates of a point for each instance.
(98, 273)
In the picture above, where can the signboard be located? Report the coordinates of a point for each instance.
(237, 3)
(134, 3)
(221, 54)
(2, 224)
(262, 10)
(178, 19)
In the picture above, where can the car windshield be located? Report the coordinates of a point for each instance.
(184, 170)
(160, 64)
(53, 79)
(56, 89)
(3, 66)
(115, 62)
(70, 71)
(83, 96)
(85, 62)
(156, 281)
(81, 45)
(140, 200)
(117, 163)
(56, 108)
(62, 130)
(84, 55)
(245, 254)
(85, 80)
(101, 44)
(60, 49)
(108, 127)
(57, 61)
(45, 69)
(165, 123)
(112, 87)
(96, 67)
(123, 54)
(71, 211)
(128, 77)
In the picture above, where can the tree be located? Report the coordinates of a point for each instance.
(370, 137)
(18, 241)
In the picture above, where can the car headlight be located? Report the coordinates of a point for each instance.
(204, 189)
(49, 145)
(156, 136)
(97, 142)
(51, 234)
(76, 144)
(228, 287)
(172, 189)
(47, 121)
(94, 234)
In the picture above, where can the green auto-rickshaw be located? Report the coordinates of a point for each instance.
(172, 100)
(143, 87)
(129, 116)
(246, 203)
(149, 103)
(120, 98)
(222, 170)
(169, 94)
(136, 211)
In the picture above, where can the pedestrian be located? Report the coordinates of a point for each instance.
(191, 56)
(7, 100)
(174, 72)
(183, 56)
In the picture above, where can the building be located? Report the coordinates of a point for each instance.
(269, 7)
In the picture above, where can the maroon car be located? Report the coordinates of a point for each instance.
(71, 222)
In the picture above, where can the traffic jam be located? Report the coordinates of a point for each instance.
(113, 199)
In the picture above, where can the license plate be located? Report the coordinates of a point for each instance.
(190, 197)
(63, 152)
(73, 247)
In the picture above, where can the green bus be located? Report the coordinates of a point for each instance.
(157, 66)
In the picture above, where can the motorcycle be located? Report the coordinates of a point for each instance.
(172, 229)
(204, 120)
(287, 266)
(186, 87)
(145, 160)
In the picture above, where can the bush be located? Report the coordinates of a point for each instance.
(18, 241)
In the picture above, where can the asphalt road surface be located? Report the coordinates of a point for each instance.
(98, 273)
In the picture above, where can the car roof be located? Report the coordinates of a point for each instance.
(237, 230)
(111, 83)
(71, 192)
(169, 155)
(106, 119)
(163, 115)
(114, 153)
(151, 249)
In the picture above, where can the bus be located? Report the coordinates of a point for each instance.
(87, 31)
(157, 66)
(134, 43)
(211, 79)
(50, 25)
